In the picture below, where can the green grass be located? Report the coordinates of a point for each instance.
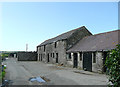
(4, 68)
(3, 74)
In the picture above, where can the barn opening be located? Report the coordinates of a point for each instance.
(104, 58)
(75, 60)
(48, 60)
(87, 61)
(56, 57)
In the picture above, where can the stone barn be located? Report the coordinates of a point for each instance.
(27, 56)
(90, 52)
(54, 49)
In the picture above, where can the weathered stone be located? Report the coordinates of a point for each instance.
(54, 50)
(27, 56)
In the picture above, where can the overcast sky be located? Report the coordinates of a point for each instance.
(33, 22)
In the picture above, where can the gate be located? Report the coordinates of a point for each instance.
(87, 61)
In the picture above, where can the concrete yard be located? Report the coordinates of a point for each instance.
(20, 72)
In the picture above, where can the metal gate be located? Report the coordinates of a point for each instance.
(87, 61)
(75, 60)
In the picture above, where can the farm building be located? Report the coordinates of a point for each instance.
(54, 50)
(79, 49)
(90, 52)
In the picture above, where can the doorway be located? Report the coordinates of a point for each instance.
(75, 61)
(56, 57)
(87, 61)
(48, 58)
(104, 59)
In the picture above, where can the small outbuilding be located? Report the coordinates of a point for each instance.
(90, 52)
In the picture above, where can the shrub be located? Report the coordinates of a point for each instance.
(113, 66)
(3, 74)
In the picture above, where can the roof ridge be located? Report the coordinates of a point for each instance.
(97, 42)
(69, 31)
(100, 34)
(106, 32)
(60, 35)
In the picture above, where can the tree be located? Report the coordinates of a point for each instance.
(113, 66)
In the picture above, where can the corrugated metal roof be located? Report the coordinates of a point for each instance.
(99, 42)
(62, 36)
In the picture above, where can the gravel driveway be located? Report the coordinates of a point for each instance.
(19, 72)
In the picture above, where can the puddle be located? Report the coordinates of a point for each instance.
(39, 79)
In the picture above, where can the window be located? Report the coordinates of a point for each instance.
(55, 44)
(44, 48)
(69, 56)
(94, 57)
(53, 55)
(80, 56)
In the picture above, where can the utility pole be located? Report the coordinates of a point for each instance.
(26, 47)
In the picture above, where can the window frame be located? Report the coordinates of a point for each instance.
(55, 45)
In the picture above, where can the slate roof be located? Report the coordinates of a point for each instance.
(99, 42)
(62, 36)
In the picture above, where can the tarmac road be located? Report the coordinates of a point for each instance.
(19, 72)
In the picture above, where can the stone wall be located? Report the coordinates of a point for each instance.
(70, 60)
(80, 62)
(99, 62)
(97, 66)
(75, 37)
(48, 53)
(27, 56)
(51, 51)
